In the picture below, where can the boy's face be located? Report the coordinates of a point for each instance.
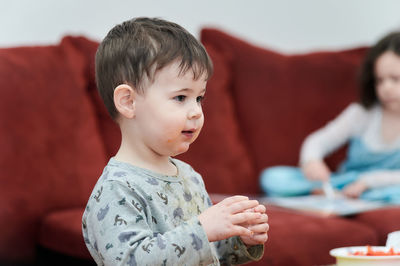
(169, 115)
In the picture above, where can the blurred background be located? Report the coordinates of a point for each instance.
(288, 26)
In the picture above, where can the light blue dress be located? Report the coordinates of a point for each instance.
(287, 181)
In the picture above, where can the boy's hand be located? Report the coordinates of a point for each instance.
(316, 170)
(259, 227)
(226, 219)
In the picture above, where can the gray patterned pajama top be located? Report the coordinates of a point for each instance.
(138, 217)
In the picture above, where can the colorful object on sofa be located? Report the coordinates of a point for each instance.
(258, 108)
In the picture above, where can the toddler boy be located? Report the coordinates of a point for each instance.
(148, 208)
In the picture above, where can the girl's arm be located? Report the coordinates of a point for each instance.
(374, 179)
(334, 134)
(381, 178)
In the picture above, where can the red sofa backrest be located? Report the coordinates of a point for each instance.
(275, 100)
(51, 152)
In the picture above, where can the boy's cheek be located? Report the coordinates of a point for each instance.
(198, 131)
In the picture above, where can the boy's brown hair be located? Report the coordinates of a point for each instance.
(133, 51)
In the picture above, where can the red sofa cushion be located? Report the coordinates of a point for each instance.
(280, 99)
(65, 225)
(301, 239)
(108, 129)
(51, 154)
(383, 221)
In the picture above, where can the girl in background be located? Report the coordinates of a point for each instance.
(371, 127)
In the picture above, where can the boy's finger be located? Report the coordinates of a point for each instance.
(243, 205)
(262, 219)
(243, 217)
(243, 231)
(230, 200)
(260, 208)
(260, 238)
(259, 228)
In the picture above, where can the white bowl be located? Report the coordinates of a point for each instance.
(344, 257)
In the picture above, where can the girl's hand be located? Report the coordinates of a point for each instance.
(259, 227)
(226, 219)
(316, 170)
(355, 189)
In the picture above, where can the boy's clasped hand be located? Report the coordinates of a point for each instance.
(236, 216)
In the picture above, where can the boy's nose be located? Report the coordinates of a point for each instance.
(195, 111)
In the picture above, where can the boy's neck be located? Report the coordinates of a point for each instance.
(153, 162)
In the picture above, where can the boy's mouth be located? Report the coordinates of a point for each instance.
(188, 133)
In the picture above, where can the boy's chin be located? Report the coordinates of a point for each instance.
(181, 150)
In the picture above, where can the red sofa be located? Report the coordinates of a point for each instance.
(56, 138)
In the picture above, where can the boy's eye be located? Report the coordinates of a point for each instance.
(180, 98)
(200, 99)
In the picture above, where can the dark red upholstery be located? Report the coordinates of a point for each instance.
(51, 151)
(56, 137)
(280, 99)
(62, 232)
(305, 240)
(383, 221)
(108, 130)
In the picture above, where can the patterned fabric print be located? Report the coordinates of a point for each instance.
(135, 215)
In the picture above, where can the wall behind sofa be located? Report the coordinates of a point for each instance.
(289, 26)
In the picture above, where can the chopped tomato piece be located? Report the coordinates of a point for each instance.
(371, 252)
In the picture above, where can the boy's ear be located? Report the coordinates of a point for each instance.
(124, 100)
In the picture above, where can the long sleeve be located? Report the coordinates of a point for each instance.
(333, 135)
(233, 251)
